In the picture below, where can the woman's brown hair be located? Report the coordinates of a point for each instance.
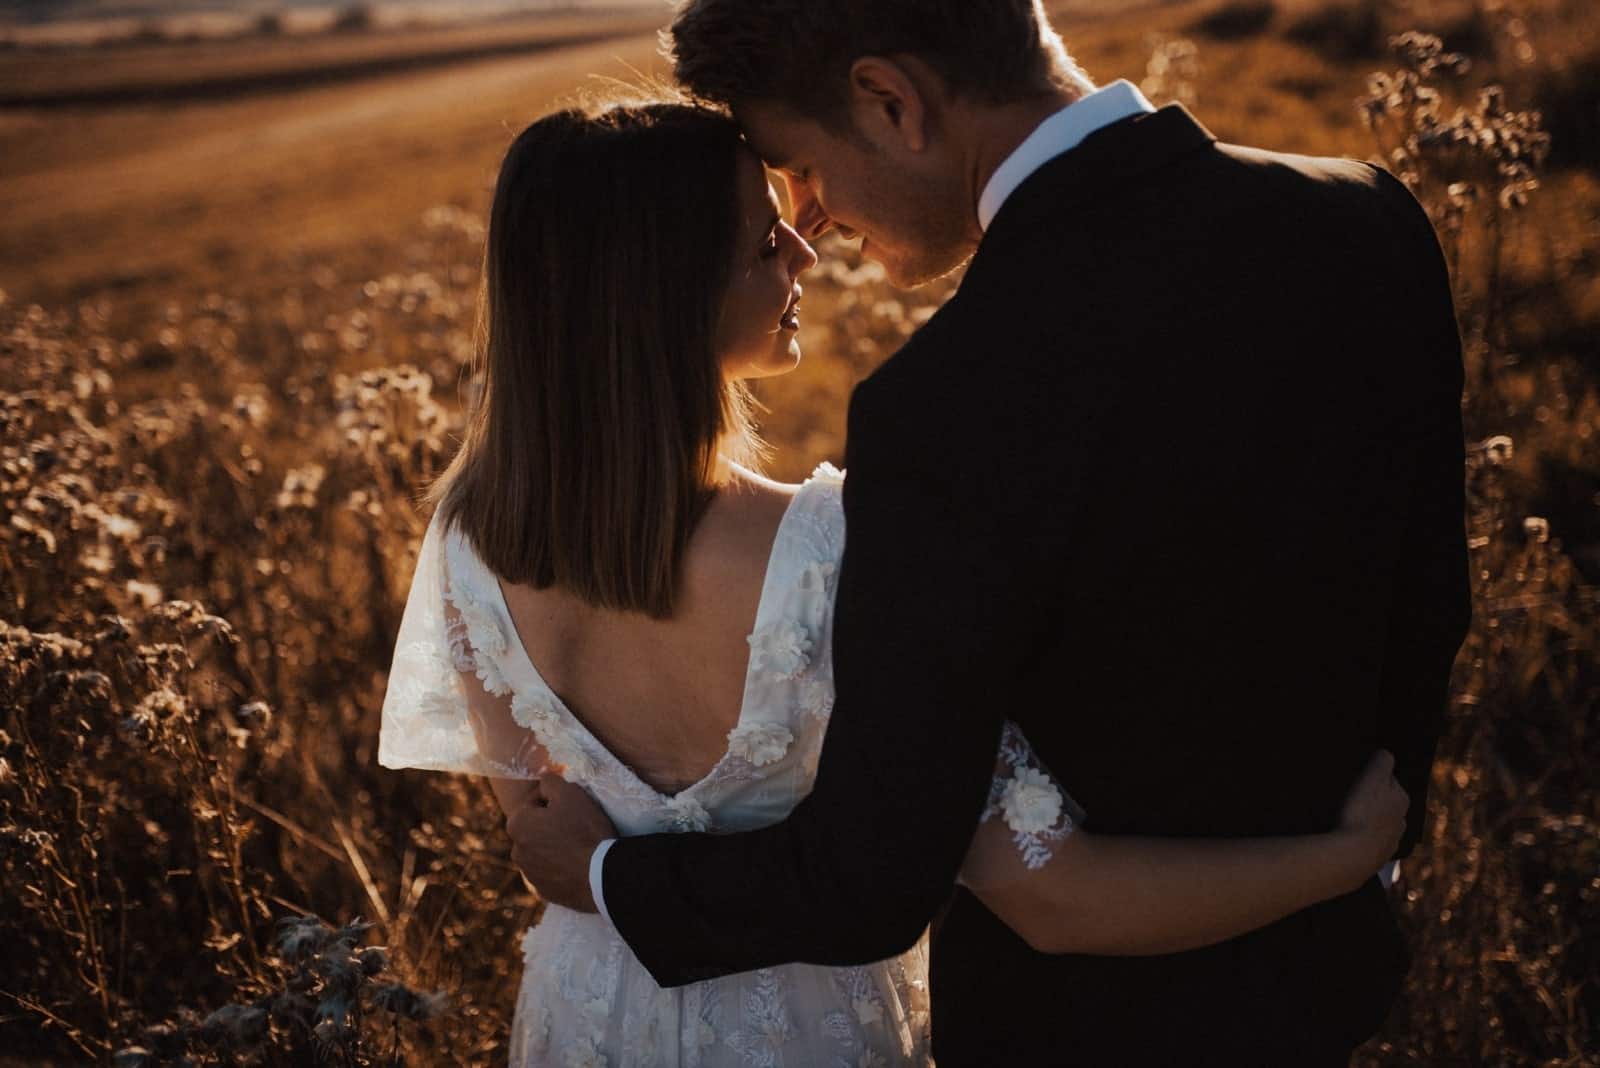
(590, 453)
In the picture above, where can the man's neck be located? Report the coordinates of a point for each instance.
(1000, 131)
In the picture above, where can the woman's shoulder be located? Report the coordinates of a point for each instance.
(766, 503)
(813, 528)
(775, 527)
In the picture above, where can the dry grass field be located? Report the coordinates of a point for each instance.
(236, 295)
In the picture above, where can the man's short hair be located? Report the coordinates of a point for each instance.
(799, 52)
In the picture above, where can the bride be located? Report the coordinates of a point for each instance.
(611, 592)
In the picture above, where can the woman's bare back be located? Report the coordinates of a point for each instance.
(662, 695)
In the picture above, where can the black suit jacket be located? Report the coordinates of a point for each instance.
(1175, 482)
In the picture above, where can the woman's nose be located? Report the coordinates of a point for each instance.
(804, 258)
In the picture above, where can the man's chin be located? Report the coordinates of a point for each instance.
(911, 274)
(915, 276)
(901, 275)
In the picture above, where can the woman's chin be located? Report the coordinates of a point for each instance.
(792, 355)
(780, 361)
(785, 356)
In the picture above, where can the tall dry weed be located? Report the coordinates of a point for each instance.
(200, 577)
(1502, 901)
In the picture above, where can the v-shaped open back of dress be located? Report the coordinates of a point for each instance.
(585, 1000)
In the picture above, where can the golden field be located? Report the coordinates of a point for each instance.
(238, 282)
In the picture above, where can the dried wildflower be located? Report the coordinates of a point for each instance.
(119, 527)
(91, 687)
(252, 407)
(336, 1008)
(300, 487)
(241, 1026)
(331, 1033)
(161, 704)
(1172, 71)
(338, 968)
(113, 628)
(353, 931)
(301, 936)
(405, 1002)
(288, 1007)
(139, 728)
(254, 715)
(1498, 450)
(191, 619)
(148, 594)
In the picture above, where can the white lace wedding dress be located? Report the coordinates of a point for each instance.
(585, 1000)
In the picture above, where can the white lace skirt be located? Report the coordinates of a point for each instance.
(587, 1002)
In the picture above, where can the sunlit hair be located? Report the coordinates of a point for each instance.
(799, 52)
(590, 454)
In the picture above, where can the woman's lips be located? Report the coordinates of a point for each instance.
(791, 314)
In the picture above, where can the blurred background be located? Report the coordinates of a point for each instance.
(239, 254)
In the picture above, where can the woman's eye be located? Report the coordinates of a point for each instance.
(771, 246)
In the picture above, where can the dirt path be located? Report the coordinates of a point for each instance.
(110, 196)
(125, 74)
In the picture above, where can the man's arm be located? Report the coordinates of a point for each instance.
(1431, 605)
(934, 616)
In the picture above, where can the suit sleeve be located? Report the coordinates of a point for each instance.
(933, 616)
(1430, 609)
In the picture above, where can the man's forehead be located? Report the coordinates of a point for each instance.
(773, 135)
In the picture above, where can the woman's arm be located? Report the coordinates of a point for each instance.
(500, 739)
(1133, 896)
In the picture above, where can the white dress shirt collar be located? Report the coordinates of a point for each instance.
(1061, 132)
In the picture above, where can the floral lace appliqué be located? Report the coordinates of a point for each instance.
(766, 1025)
(760, 744)
(1031, 802)
(782, 648)
(568, 758)
(816, 698)
(686, 814)
(488, 642)
(826, 472)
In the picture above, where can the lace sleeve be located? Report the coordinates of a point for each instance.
(1027, 816)
(439, 711)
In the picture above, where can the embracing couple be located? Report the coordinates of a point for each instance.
(1077, 723)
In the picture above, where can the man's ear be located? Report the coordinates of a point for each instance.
(887, 103)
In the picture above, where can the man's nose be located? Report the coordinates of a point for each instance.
(810, 221)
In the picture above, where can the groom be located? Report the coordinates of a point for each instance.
(1174, 481)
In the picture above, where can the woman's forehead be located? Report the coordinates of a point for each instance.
(758, 202)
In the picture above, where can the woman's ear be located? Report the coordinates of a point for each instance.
(887, 104)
